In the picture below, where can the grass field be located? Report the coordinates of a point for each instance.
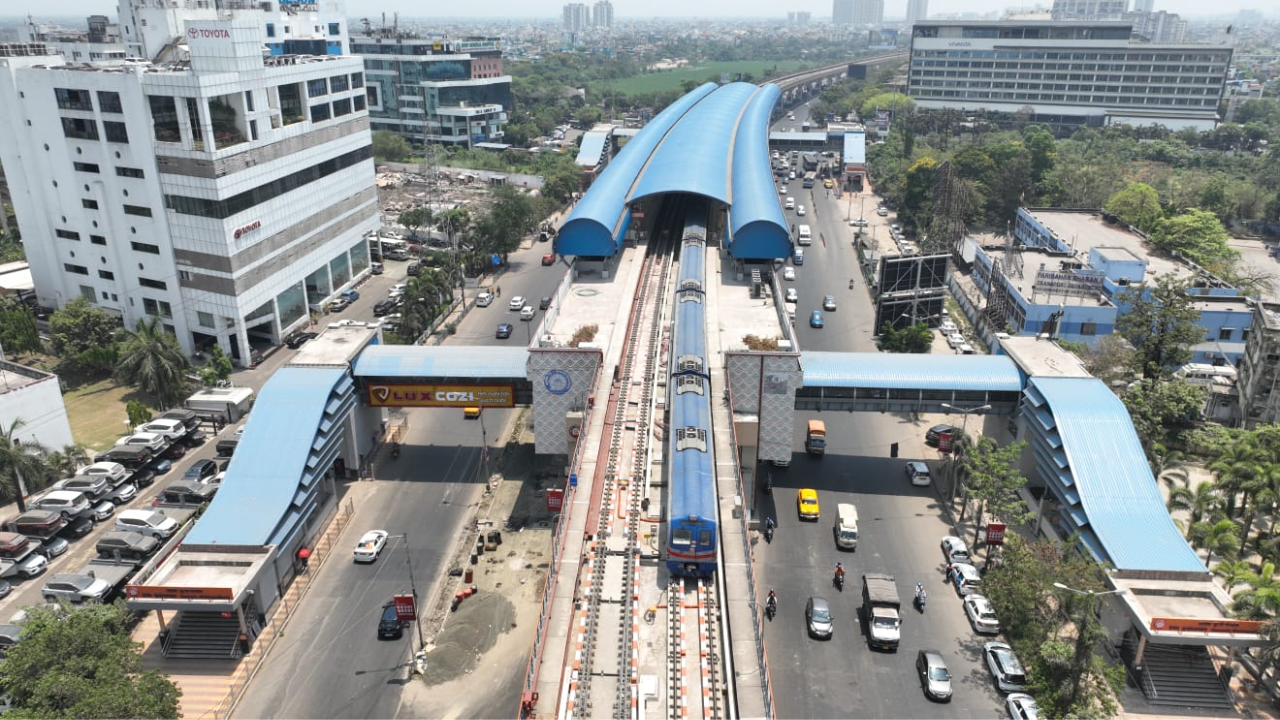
(700, 73)
(97, 415)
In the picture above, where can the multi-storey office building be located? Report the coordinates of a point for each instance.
(576, 17)
(153, 29)
(224, 195)
(436, 89)
(602, 14)
(917, 10)
(1089, 9)
(1259, 384)
(1066, 73)
(868, 12)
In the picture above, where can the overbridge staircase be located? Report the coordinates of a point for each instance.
(203, 636)
(1181, 675)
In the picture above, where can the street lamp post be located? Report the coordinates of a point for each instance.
(484, 448)
(964, 428)
(413, 586)
(1082, 633)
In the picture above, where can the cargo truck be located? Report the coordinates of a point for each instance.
(815, 442)
(882, 611)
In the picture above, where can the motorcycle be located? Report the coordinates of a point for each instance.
(920, 598)
(840, 582)
(770, 609)
(768, 533)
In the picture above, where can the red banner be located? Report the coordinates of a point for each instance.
(406, 609)
(555, 500)
(1204, 625)
(944, 442)
(995, 533)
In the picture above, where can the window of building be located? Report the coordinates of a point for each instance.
(253, 129)
(205, 319)
(109, 102)
(88, 204)
(357, 80)
(358, 102)
(86, 167)
(1088, 328)
(67, 234)
(116, 131)
(87, 293)
(69, 99)
(137, 210)
(77, 269)
(271, 29)
(1225, 333)
(130, 172)
(317, 87)
(248, 100)
(154, 284)
(146, 247)
(335, 29)
(223, 209)
(164, 118)
(106, 275)
(79, 129)
(320, 112)
(338, 83)
(97, 240)
(290, 103)
(341, 107)
(166, 310)
(150, 306)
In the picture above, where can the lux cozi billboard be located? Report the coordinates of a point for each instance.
(418, 395)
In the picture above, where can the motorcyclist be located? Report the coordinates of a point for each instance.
(772, 600)
(839, 571)
(920, 594)
(769, 524)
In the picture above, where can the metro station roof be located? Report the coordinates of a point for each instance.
(895, 371)
(444, 361)
(711, 142)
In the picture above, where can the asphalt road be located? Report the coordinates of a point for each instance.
(330, 663)
(900, 525)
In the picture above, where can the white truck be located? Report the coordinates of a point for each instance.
(882, 610)
(227, 404)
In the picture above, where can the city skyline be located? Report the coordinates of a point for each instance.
(820, 9)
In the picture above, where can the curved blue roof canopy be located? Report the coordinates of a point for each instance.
(696, 155)
(758, 229)
(596, 226)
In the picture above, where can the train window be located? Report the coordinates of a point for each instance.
(681, 536)
(689, 383)
(691, 437)
(704, 538)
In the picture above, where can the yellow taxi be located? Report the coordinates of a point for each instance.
(807, 501)
(829, 183)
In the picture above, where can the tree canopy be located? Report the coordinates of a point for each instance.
(1159, 321)
(84, 336)
(917, 338)
(1197, 235)
(1138, 205)
(151, 358)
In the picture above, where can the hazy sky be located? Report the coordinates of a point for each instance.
(665, 8)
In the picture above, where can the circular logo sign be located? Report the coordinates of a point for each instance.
(557, 382)
(575, 431)
(192, 32)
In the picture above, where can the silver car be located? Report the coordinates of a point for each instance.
(935, 678)
(817, 614)
(1004, 667)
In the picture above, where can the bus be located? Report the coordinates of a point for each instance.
(809, 178)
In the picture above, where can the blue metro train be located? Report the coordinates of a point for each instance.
(691, 493)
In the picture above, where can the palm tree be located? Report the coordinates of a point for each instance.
(1261, 600)
(1221, 538)
(19, 460)
(1267, 501)
(1233, 573)
(151, 359)
(1203, 502)
(64, 463)
(453, 222)
(1237, 467)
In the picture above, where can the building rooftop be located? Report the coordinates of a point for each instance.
(14, 376)
(1042, 358)
(1085, 231)
(336, 346)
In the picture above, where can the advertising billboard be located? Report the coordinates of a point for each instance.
(425, 395)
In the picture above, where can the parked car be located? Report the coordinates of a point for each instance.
(935, 678)
(954, 550)
(51, 547)
(504, 331)
(196, 438)
(484, 299)
(169, 429)
(549, 259)
(918, 473)
(375, 268)
(77, 528)
(161, 466)
(932, 436)
(75, 588)
(382, 307)
(414, 269)
(338, 304)
(91, 486)
(176, 451)
(955, 340)
(882, 212)
(201, 469)
(1004, 666)
(143, 478)
(370, 545)
(103, 510)
(123, 493)
(148, 522)
(112, 471)
(965, 578)
(67, 502)
(818, 618)
(152, 441)
(126, 545)
(981, 615)
(389, 626)
(350, 295)
(298, 339)
(544, 303)
(186, 494)
(1022, 706)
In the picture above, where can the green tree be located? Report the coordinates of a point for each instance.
(895, 102)
(1197, 235)
(217, 369)
(64, 463)
(916, 205)
(1160, 323)
(1216, 538)
(1042, 151)
(18, 333)
(391, 147)
(1138, 205)
(84, 336)
(151, 359)
(1261, 599)
(1203, 502)
(1233, 573)
(1110, 358)
(1158, 407)
(453, 222)
(415, 218)
(917, 338)
(81, 663)
(21, 462)
(138, 413)
(994, 481)
(1238, 468)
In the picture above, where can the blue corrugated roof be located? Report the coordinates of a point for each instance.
(695, 155)
(271, 458)
(416, 361)
(758, 227)
(592, 148)
(594, 227)
(855, 148)
(1117, 490)
(996, 373)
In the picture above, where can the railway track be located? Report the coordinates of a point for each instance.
(695, 679)
(604, 681)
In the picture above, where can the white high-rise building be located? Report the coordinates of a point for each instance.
(577, 16)
(602, 14)
(917, 10)
(226, 193)
(1144, 6)
(842, 12)
(153, 29)
(868, 12)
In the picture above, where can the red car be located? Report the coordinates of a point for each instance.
(549, 259)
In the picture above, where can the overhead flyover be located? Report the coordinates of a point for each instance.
(891, 382)
(712, 142)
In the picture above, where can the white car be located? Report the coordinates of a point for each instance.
(955, 340)
(1022, 706)
(789, 273)
(112, 471)
(882, 212)
(370, 545)
(800, 210)
(858, 222)
(484, 299)
(948, 328)
(527, 312)
(154, 442)
(966, 579)
(1004, 666)
(397, 290)
(965, 349)
(918, 473)
(782, 190)
(829, 303)
(954, 550)
(170, 429)
(792, 295)
(790, 204)
(517, 303)
(981, 615)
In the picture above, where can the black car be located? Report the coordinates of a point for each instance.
(144, 478)
(295, 341)
(375, 268)
(935, 432)
(195, 438)
(544, 303)
(414, 269)
(389, 626)
(382, 307)
(202, 469)
(76, 528)
(504, 331)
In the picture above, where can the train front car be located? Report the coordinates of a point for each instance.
(691, 502)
